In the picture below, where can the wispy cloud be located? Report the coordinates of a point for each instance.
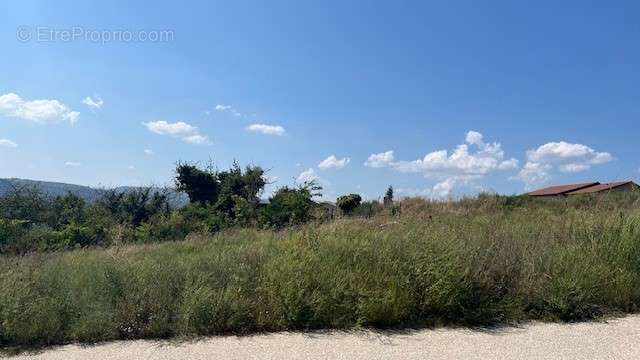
(311, 175)
(228, 108)
(180, 130)
(148, 152)
(95, 103)
(8, 143)
(39, 111)
(72, 164)
(307, 176)
(276, 130)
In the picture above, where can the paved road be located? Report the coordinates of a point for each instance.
(615, 339)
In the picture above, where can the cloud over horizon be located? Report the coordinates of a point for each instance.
(307, 176)
(469, 161)
(475, 157)
(564, 157)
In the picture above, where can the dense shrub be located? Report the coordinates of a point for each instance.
(347, 203)
(367, 209)
(10, 231)
(290, 206)
(26, 203)
(134, 206)
(33, 221)
(220, 188)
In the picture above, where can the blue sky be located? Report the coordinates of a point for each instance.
(519, 95)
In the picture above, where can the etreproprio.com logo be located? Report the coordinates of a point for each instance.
(78, 33)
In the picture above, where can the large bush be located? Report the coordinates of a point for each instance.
(133, 206)
(290, 206)
(347, 203)
(220, 188)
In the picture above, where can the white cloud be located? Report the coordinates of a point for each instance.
(573, 168)
(196, 139)
(228, 108)
(148, 152)
(40, 111)
(558, 156)
(481, 160)
(379, 160)
(566, 153)
(444, 188)
(8, 143)
(72, 164)
(131, 167)
(412, 192)
(508, 164)
(333, 162)
(180, 130)
(474, 138)
(95, 103)
(470, 161)
(534, 173)
(308, 176)
(311, 175)
(440, 190)
(267, 129)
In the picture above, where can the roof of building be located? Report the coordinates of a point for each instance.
(599, 188)
(561, 189)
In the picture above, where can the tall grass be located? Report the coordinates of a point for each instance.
(471, 262)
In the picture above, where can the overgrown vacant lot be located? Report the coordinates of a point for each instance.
(472, 262)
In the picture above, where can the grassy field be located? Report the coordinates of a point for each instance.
(484, 261)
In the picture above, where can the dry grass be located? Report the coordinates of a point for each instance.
(474, 262)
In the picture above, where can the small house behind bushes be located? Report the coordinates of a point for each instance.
(585, 188)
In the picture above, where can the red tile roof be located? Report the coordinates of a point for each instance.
(599, 188)
(561, 189)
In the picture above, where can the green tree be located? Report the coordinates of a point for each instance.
(347, 203)
(201, 185)
(290, 206)
(135, 206)
(222, 189)
(388, 196)
(67, 209)
(25, 203)
(239, 189)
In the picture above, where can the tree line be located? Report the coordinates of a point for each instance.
(31, 220)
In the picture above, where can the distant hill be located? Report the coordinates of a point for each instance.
(50, 188)
(86, 192)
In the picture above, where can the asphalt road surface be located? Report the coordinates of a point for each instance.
(613, 339)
